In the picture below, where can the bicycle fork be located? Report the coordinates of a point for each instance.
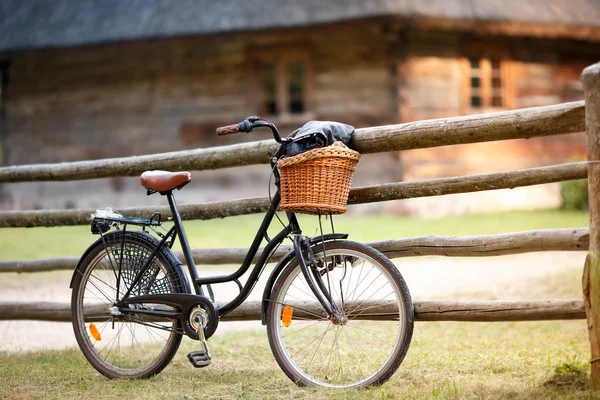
(312, 276)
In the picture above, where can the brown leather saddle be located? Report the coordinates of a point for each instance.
(164, 181)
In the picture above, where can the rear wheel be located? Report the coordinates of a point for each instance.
(367, 339)
(125, 345)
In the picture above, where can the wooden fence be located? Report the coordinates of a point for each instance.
(519, 124)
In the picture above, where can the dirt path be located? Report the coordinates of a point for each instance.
(427, 278)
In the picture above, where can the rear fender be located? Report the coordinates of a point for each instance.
(284, 262)
(165, 252)
(85, 254)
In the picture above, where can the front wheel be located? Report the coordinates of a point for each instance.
(365, 342)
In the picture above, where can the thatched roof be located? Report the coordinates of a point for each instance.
(27, 24)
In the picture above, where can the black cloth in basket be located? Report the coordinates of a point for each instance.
(315, 134)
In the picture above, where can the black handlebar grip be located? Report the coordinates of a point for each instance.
(228, 130)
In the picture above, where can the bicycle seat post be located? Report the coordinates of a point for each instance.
(185, 245)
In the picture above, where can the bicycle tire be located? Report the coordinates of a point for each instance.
(130, 346)
(301, 348)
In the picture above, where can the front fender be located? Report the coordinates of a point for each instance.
(285, 261)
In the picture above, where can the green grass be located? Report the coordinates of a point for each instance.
(527, 360)
(446, 360)
(33, 243)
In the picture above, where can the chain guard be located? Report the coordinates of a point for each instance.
(186, 303)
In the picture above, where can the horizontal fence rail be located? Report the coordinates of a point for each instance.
(517, 124)
(444, 310)
(370, 194)
(453, 246)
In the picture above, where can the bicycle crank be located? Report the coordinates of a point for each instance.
(199, 319)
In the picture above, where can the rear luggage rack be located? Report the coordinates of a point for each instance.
(102, 220)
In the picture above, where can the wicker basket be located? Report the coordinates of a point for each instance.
(317, 180)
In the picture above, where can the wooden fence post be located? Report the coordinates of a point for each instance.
(591, 273)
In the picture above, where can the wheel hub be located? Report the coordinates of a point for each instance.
(114, 311)
(339, 319)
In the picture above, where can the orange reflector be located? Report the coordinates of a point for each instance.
(94, 331)
(286, 316)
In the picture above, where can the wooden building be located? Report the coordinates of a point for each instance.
(94, 79)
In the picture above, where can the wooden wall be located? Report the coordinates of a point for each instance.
(542, 72)
(146, 97)
(430, 76)
(118, 100)
(162, 95)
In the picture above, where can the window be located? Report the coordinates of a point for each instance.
(284, 88)
(487, 84)
(284, 76)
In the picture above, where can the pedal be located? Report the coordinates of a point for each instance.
(199, 358)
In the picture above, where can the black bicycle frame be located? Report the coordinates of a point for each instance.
(291, 228)
(313, 279)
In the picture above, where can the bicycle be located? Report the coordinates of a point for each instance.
(338, 313)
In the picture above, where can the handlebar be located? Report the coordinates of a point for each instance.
(228, 130)
(249, 124)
